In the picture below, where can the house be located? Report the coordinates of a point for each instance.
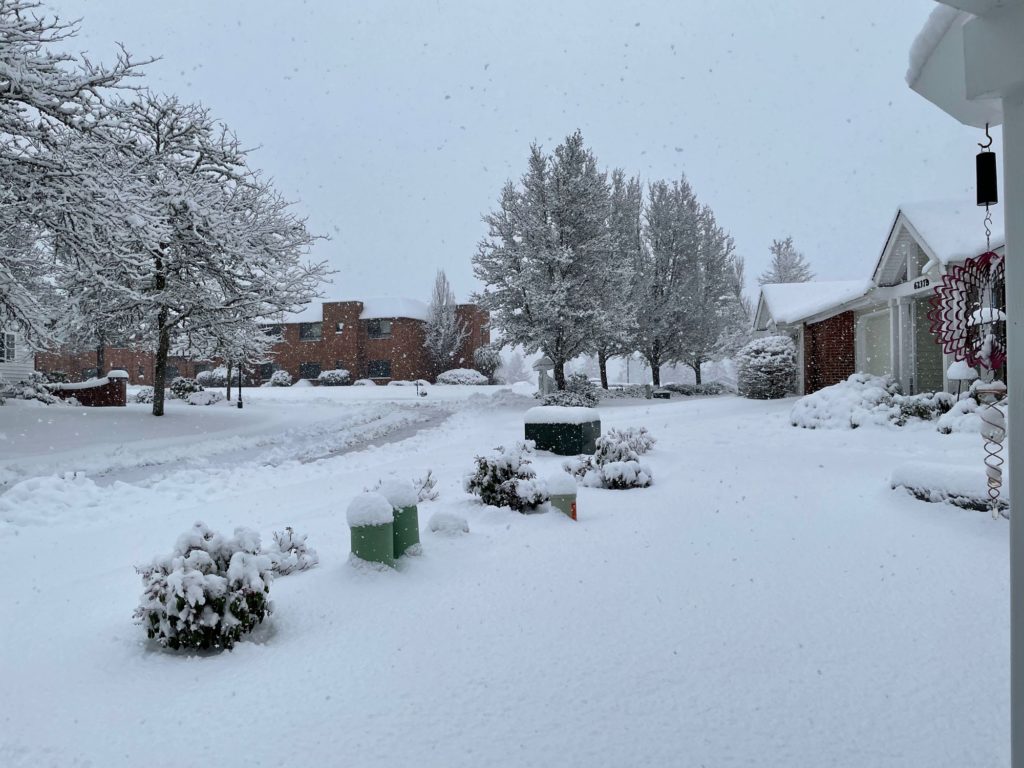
(880, 325)
(380, 339)
(16, 359)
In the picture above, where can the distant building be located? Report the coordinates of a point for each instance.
(16, 361)
(379, 339)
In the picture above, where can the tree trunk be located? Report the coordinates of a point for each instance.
(100, 359)
(602, 364)
(160, 366)
(696, 369)
(560, 374)
(655, 360)
(229, 382)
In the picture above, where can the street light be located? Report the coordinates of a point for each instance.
(239, 385)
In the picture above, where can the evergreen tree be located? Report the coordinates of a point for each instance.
(445, 333)
(541, 263)
(788, 264)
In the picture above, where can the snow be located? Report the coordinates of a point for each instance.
(939, 22)
(560, 414)
(87, 384)
(943, 482)
(117, 374)
(385, 308)
(560, 484)
(446, 523)
(793, 302)
(769, 600)
(399, 492)
(954, 229)
(986, 315)
(369, 509)
(959, 370)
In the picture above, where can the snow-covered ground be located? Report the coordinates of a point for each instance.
(769, 600)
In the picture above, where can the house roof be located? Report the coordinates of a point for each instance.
(786, 303)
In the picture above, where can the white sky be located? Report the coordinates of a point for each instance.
(395, 124)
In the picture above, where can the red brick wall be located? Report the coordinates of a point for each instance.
(113, 393)
(136, 362)
(829, 352)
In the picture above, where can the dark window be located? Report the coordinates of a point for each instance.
(142, 371)
(378, 329)
(309, 370)
(89, 373)
(266, 371)
(339, 365)
(171, 373)
(339, 327)
(380, 369)
(7, 347)
(273, 331)
(310, 331)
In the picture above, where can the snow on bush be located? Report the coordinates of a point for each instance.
(866, 399)
(290, 552)
(705, 388)
(334, 378)
(962, 417)
(579, 392)
(217, 377)
(181, 387)
(426, 487)
(144, 395)
(616, 462)
(507, 479)
(208, 593)
(767, 368)
(399, 383)
(280, 379)
(32, 388)
(462, 376)
(206, 397)
(636, 391)
(364, 383)
(448, 524)
(962, 486)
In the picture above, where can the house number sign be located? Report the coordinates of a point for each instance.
(922, 283)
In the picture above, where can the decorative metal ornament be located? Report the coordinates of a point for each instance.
(965, 316)
(985, 166)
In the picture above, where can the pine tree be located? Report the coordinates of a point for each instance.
(541, 263)
(788, 264)
(445, 333)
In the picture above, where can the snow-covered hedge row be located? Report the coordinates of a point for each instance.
(280, 379)
(507, 479)
(208, 593)
(704, 388)
(462, 376)
(32, 388)
(206, 397)
(767, 368)
(616, 462)
(217, 377)
(335, 378)
(866, 399)
(181, 387)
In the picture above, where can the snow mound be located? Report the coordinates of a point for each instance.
(448, 524)
(961, 371)
(462, 376)
(369, 509)
(206, 397)
(364, 383)
(399, 493)
(962, 417)
(560, 414)
(963, 486)
(561, 484)
(865, 399)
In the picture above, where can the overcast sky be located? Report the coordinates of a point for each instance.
(394, 124)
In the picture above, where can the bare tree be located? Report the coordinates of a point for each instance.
(445, 332)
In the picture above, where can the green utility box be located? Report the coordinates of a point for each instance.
(403, 499)
(563, 430)
(371, 520)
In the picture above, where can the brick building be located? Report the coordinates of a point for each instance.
(379, 339)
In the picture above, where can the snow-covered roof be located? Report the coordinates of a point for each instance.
(935, 28)
(954, 230)
(792, 302)
(379, 308)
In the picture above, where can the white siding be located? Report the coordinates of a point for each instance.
(874, 343)
(23, 363)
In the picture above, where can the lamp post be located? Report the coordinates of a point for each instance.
(970, 63)
(239, 384)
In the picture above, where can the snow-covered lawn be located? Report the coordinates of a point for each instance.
(769, 600)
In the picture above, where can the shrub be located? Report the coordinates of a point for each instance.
(399, 383)
(507, 479)
(364, 383)
(705, 388)
(579, 392)
(182, 387)
(336, 378)
(487, 360)
(206, 397)
(280, 379)
(462, 376)
(615, 464)
(290, 553)
(217, 377)
(32, 388)
(208, 593)
(144, 395)
(767, 368)
(630, 391)
(57, 377)
(867, 399)
(426, 487)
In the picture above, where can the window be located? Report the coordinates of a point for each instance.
(339, 327)
(339, 365)
(89, 373)
(378, 329)
(171, 372)
(309, 370)
(380, 369)
(8, 347)
(142, 371)
(273, 331)
(266, 370)
(310, 331)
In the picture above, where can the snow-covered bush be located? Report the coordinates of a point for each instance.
(426, 487)
(866, 399)
(280, 379)
(364, 383)
(767, 368)
(634, 391)
(208, 593)
(962, 417)
(57, 377)
(217, 377)
(206, 397)
(507, 479)
(335, 378)
(462, 376)
(290, 552)
(32, 388)
(616, 462)
(579, 392)
(399, 383)
(144, 395)
(487, 360)
(181, 387)
(704, 388)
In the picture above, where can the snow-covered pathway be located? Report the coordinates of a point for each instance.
(768, 601)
